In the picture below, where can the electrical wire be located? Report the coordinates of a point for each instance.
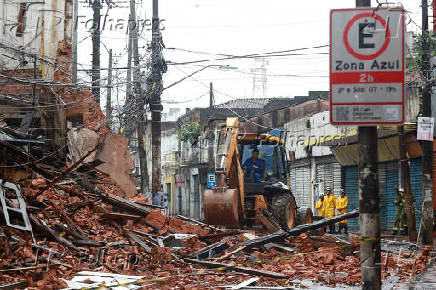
(36, 161)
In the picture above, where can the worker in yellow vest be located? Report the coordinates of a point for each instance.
(330, 206)
(320, 206)
(341, 207)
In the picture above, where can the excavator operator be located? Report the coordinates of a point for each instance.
(255, 164)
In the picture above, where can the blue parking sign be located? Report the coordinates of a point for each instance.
(211, 180)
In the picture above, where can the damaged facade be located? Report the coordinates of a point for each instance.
(71, 215)
(38, 102)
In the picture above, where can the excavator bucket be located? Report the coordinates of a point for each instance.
(221, 206)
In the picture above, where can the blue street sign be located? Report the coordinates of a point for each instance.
(211, 180)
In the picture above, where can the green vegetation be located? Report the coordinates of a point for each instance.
(190, 132)
(414, 63)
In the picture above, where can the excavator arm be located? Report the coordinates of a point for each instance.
(224, 204)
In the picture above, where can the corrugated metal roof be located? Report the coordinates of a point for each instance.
(249, 103)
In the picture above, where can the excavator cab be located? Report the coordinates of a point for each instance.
(244, 196)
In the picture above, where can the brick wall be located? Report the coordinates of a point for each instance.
(14, 88)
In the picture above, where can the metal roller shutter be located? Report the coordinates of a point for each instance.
(331, 174)
(351, 187)
(302, 186)
(324, 172)
(292, 179)
(382, 194)
(391, 195)
(337, 178)
(300, 182)
(416, 180)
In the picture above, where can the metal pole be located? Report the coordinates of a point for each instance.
(156, 106)
(96, 6)
(363, 3)
(109, 92)
(427, 146)
(369, 202)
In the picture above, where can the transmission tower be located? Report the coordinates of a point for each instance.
(259, 77)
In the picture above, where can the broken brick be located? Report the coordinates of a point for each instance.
(156, 218)
(160, 255)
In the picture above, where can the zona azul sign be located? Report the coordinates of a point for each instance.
(367, 66)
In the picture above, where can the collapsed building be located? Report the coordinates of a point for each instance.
(70, 215)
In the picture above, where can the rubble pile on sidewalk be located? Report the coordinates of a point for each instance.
(80, 234)
(71, 224)
(77, 230)
(74, 220)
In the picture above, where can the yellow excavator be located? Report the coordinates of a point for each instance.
(242, 199)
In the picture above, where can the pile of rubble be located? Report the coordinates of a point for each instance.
(74, 220)
(72, 229)
(84, 238)
(75, 225)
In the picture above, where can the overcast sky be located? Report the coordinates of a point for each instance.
(203, 29)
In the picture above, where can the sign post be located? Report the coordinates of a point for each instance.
(367, 89)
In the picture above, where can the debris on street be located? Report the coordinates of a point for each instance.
(107, 182)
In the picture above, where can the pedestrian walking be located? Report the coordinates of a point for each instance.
(158, 197)
(330, 207)
(341, 207)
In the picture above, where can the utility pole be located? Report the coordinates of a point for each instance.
(75, 22)
(405, 182)
(434, 16)
(211, 133)
(109, 92)
(140, 128)
(156, 90)
(96, 6)
(128, 101)
(369, 202)
(179, 166)
(427, 146)
(211, 97)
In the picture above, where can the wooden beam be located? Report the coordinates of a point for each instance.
(280, 235)
(246, 270)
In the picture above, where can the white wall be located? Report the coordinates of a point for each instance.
(319, 126)
(51, 13)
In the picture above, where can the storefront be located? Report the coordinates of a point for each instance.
(388, 178)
